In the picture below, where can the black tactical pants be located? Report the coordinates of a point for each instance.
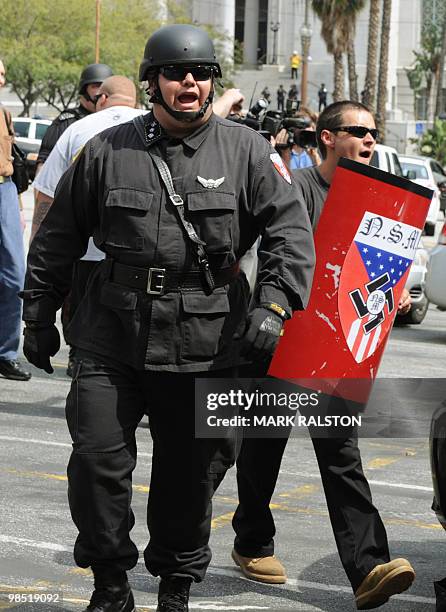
(105, 404)
(358, 529)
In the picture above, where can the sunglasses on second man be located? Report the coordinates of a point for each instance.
(98, 96)
(359, 131)
(178, 73)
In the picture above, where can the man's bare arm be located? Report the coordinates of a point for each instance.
(41, 207)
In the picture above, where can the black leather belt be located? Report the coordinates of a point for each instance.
(157, 281)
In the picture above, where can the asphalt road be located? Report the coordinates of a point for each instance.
(36, 532)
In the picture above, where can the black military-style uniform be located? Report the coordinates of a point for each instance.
(148, 324)
(57, 128)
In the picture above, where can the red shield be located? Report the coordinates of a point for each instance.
(365, 242)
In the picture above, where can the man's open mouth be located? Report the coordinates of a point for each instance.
(187, 98)
(365, 154)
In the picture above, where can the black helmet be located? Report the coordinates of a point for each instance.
(178, 44)
(94, 73)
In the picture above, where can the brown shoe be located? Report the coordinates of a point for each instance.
(262, 569)
(384, 581)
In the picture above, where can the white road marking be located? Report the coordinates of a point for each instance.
(193, 605)
(381, 483)
(306, 584)
(50, 443)
(218, 571)
(49, 381)
(34, 544)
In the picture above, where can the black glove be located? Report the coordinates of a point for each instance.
(264, 328)
(40, 344)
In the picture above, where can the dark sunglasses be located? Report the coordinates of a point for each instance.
(178, 73)
(97, 96)
(359, 131)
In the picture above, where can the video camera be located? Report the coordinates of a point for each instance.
(270, 122)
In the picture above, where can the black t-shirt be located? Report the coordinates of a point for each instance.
(313, 189)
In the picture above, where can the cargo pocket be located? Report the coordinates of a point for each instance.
(203, 318)
(72, 403)
(217, 457)
(125, 218)
(212, 215)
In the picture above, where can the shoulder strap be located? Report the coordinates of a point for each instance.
(138, 123)
(8, 121)
(177, 201)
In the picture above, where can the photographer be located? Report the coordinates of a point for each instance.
(298, 147)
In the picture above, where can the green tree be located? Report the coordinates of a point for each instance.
(46, 45)
(426, 65)
(433, 142)
(337, 17)
(41, 44)
(355, 9)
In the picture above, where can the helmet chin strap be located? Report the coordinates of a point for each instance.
(87, 96)
(183, 116)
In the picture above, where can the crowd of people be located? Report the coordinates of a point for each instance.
(142, 225)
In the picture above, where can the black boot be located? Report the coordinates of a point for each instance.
(111, 592)
(173, 594)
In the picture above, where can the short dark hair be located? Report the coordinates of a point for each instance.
(331, 117)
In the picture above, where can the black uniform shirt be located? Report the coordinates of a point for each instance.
(114, 192)
(57, 128)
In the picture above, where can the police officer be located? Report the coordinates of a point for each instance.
(174, 199)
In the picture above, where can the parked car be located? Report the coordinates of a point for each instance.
(421, 170)
(415, 286)
(435, 286)
(440, 179)
(28, 134)
(386, 158)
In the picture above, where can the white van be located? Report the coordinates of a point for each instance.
(386, 158)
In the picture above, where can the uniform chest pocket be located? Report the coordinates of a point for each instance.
(212, 213)
(125, 218)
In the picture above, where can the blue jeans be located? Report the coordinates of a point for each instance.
(12, 271)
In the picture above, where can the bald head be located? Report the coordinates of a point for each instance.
(119, 91)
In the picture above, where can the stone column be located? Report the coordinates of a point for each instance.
(221, 17)
(251, 32)
(226, 19)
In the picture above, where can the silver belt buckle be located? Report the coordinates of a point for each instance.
(155, 281)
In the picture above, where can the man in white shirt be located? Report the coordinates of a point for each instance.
(115, 104)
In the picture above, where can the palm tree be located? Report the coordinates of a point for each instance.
(383, 68)
(336, 21)
(354, 10)
(369, 92)
(335, 38)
